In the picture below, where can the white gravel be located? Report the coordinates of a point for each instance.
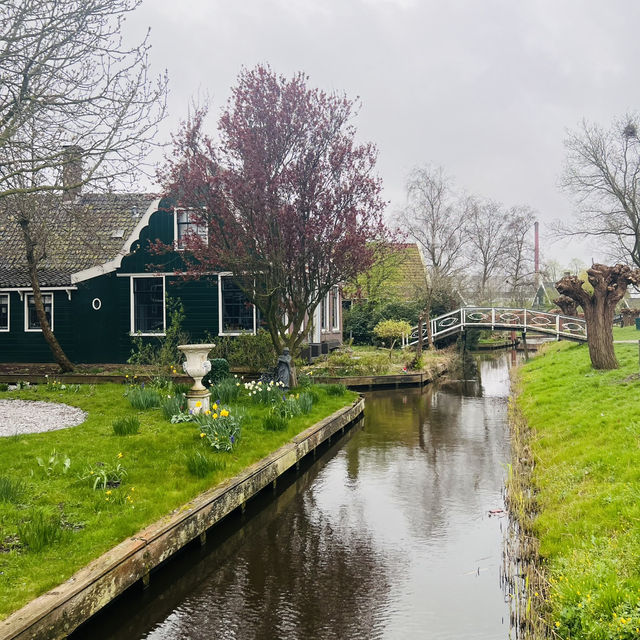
(29, 416)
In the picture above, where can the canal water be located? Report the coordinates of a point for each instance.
(388, 534)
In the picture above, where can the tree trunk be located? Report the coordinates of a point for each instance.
(599, 317)
(56, 350)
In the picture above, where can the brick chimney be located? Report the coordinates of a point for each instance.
(71, 170)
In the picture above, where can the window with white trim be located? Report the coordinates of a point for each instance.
(4, 312)
(31, 322)
(237, 315)
(324, 313)
(189, 223)
(335, 309)
(148, 312)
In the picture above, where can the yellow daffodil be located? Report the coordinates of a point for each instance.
(202, 435)
(224, 413)
(215, 416)
(120, 455)
(215, 406)
(207, 412)
(198, 404)
(108, 492)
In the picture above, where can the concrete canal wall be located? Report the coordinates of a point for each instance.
(59, 611)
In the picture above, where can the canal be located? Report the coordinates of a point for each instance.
(395, 531)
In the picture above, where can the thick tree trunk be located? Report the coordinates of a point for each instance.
(599, 317)
(568, 306)
(56, 350)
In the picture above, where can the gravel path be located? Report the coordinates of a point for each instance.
(28, 416)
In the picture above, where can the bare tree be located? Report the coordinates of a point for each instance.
(518, 252)
(603, 172)
(69, 85)
(434, 217)
(486, 227)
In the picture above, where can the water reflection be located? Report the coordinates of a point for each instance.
(389, 536)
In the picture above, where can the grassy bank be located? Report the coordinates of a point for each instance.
(585, 444)
(57, 514)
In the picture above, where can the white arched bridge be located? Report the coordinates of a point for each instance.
(503, 319)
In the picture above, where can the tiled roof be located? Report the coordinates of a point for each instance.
(88, 233)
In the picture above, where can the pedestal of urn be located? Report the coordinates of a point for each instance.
(197, 366)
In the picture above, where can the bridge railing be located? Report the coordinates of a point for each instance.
(504, 319)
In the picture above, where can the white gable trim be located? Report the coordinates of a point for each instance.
(114, 263)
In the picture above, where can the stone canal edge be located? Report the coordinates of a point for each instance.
(58, 612)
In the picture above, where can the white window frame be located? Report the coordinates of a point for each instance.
(176, 213)
(8, 296)
(335, 309)
(132, 307)
(324, 314)
(26, 311)
(228, 274)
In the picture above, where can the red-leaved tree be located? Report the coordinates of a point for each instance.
(291, 201)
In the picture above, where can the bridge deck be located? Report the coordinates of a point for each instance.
(504, 319)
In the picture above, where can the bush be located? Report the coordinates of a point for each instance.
(4, 386)
(390, 331)
(200, 464)
(246, 351)
(219, 371)
(143, 399)
(275, 422)
(126, 426)
(39, 531)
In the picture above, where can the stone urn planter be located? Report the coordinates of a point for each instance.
(197, 366)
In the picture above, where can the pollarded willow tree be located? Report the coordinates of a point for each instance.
(290, 200)
(609, 286)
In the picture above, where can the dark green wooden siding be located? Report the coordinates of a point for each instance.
(88, 335)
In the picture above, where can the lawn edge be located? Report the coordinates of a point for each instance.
(56, 613)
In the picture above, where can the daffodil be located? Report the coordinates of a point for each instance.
(215, 416)
(120, 455)
(198, 404)
(202, 435)
(224, 413)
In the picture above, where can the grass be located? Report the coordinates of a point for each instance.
(139, 479)
(586, 448)
(626, 333)
(127, 426)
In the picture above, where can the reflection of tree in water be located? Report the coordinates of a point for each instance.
(294, 580)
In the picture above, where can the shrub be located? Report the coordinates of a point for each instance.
(173, 405)
(11, 490)
(275, 422)
(39, 531)
(391, 331)
(142, 399)
(219, 371)
(4, 386)
(253, 352)
(201, 465)
(126, 426)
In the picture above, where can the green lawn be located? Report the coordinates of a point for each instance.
(586, 447)
(626, 333)
(87, 522)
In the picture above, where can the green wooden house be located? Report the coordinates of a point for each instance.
(102, 285)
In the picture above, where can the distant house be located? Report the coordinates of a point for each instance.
(98, 293)
(399, 275)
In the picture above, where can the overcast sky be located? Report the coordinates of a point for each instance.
(485, 88)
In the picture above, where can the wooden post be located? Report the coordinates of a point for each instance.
(524, 344)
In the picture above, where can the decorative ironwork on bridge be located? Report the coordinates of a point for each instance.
(502, 319)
